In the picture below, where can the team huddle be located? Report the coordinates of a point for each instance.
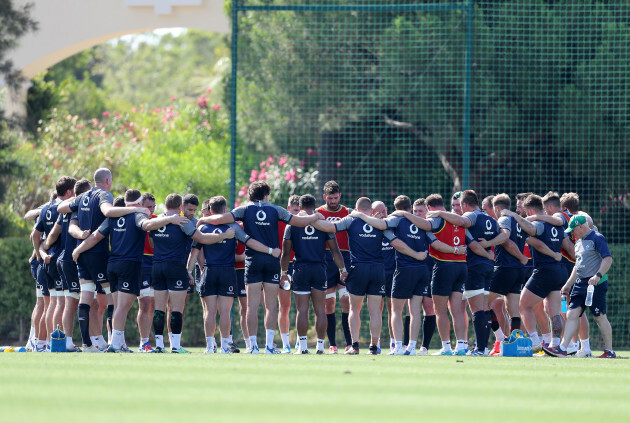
(537, 269)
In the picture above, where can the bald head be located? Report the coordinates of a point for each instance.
(103, 178)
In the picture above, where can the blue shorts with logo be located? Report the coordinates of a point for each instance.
(93, 267)
(448, 277)
(366, 279)
(410, 281)
(309, 276)
(332, 271)
(124, 276)
(52, 275)
(578, 297)
(42, 281)
(389, 280)
(219, 280)
(171, 276)
(507, 280)
(262, 268)
(546, 279)
(240, 283)
(479, 277)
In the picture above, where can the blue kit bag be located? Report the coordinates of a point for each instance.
(516, 345)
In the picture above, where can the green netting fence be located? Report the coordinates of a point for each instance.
(401, 97)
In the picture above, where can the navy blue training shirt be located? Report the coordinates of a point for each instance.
(552, 236)
(501, 256)
(309, 244)
(260, 221)
(221, 253)
(410, 234)
(483, 226)
(366, 242)
(169, 242)
(88, 208)
(126, 236)
(48, 218)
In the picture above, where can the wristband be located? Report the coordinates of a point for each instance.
(270, 251)
(342, 270)
(599, 275)
(283, 272)
(455, 250)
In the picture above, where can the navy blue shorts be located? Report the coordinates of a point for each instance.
(546, 279)
(34, 265)
(42, 281)
(262, 268)
(389, 280)
(507, 280)
(93, 267)
(448, 277)
(309, 276)
(527, 272)
(332, 271)
(70, 273)
(240, 283)
(366, 279)
(578, 297)
(171, 276)
(219, 280)
(479, 277)
(53, 278)
(145, 277)
(124, 276)
(568, 266)
(410, 281)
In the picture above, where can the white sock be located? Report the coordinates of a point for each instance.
(41, 343)
(230, 339)
(69, 343)
(143, 341)
(117, 339)
(109, 337)
(535, 339)
(398, 345)
(248, 343)
(253, 341)
(303, 345)
(546, 338)
(170, 338)
(94, 340)
(392, 343)
(461, 345)
(320, 345)
(269, 340)
(297, 343)
(209, 341)
(446, 345)
(499, 335)
(585, 345)
(101, 341)
(378, 343)
(159, 341)
(175, 340)
(285, 339)
(554, 342)
(561, 347)
(411, 346)
(31, 333)
(224, 343)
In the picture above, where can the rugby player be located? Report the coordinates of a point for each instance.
(308, 246)
(593, 262)
(367, 274)
(379, 210)
(484, 230)
(284, 296)
(260, 221)
(145, 299)
(546, 280)
(92, 208)
(218, 282)
(333, 212)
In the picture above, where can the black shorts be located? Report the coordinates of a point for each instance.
(546, 279)
(93, 267)
(34, 265)
(332, 271)
(366, 279)
(124, 276)
(309, 276)
(240, 282)
(53, 277)
(410, 281)
(170, 276)
(479, 277)
(507, 280)
(145, 277)
(42, 281)
(218, 280)
(262, 268)
(448, 277)
(389, 280)
(527, 272)
(71, 274)
(578, 297)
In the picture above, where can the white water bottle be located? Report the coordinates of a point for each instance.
(589, 296)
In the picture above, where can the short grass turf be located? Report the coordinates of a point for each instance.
(239, 387)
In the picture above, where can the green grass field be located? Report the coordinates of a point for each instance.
(183, 388)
